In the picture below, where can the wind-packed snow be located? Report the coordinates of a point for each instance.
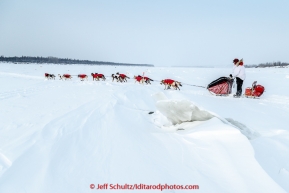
(63, 136)
(182, 111)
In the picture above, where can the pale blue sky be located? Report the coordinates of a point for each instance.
(160, 32)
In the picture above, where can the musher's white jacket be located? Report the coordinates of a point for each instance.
(239, 71)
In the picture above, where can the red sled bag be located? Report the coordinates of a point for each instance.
(255, 91)
(221, 87)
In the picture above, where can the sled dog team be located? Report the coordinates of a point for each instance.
(119, 78)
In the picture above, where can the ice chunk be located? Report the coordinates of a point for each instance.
(179, 111)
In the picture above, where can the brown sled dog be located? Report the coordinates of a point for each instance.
(171, 83)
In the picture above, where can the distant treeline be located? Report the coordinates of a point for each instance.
(54, 60)
(268, 64)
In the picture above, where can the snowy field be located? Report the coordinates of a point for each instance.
(63, 136)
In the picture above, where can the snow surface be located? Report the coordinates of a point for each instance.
(62, 136)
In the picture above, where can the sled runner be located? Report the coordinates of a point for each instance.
(255, 91)
(221, 87)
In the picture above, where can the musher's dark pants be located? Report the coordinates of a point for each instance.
(239, 86)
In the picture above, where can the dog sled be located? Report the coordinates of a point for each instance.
(221, 86)
(255, 91)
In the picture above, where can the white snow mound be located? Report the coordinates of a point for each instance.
(179, 111)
